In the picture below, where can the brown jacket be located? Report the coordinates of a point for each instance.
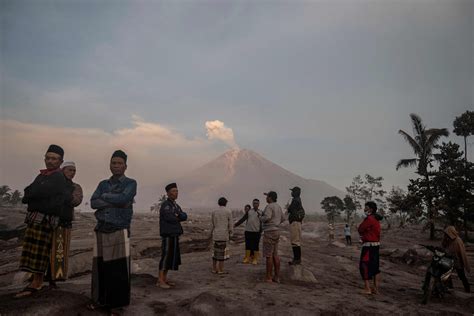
(455, 247)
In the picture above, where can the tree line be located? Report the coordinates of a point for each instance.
(441, 191)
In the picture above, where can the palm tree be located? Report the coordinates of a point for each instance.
(423, 143)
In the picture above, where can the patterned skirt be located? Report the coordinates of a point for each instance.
(60, 254)
(220, 251)
(111, 269)
(36, 251)
(170, 253)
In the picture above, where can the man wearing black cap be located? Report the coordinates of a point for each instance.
(45, 197)
(271, 219)
(171, 216)
(113, 201)
(295, 217)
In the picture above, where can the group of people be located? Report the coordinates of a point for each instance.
(52, 196)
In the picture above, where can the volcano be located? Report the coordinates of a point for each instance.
(241, 175)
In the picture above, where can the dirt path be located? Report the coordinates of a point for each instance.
(242, 292)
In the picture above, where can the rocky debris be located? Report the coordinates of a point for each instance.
(300, 274)
(9, 233)
(415, 255)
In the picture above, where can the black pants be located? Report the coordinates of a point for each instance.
(463, 278)
(348, 240)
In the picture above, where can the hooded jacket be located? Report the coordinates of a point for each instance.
(455, 247)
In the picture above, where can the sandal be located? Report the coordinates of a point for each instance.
(27, 291)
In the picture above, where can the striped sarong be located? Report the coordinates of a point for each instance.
(170, 253)
(111, 269)
(60, 253)
(36, 247)
(220, 251)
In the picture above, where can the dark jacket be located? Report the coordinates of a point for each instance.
(295, 210)
(171, 216)
(74, 192)
(47, 194)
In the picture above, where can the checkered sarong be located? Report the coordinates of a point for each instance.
(36, 247)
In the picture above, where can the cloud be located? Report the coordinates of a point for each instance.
(217, 130)
(156, 153)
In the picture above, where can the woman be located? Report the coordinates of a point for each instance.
(455, 247)
(369, 231)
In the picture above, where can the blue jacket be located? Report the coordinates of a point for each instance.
(113, 200)
(171, 216)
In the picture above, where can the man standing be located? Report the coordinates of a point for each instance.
(62, 234)
(45, 197)
(221, 230)
(253, 231)
(369, 231)
(271, 218)
(171, 216)
(295, 217)
(113, 199)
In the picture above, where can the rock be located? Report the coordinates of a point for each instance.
(338, 244)
(80, 264)
(207, 304)
(301, 274)
(20, 278)
(9, 233)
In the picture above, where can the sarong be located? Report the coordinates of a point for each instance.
(111, 269)
(36, 247)
(60, 254)
(295, 234)
(369, 262)
(170, 254)
(220, 251)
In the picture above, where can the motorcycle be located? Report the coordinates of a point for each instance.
(438, 274)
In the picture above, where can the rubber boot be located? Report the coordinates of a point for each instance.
(247, 257)
(256, 256)
(298, 255)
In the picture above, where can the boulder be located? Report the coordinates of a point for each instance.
(301, 274)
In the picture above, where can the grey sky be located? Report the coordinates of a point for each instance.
(319, 87)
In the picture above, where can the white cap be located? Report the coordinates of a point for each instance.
(68, 164)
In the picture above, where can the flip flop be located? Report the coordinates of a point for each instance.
(27, 291)
(170, 283)
(364, 292)
(222, 272)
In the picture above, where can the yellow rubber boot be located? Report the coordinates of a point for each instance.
(255, 257)
(247, 256)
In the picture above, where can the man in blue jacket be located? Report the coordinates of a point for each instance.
(113, 200)
(171, 216)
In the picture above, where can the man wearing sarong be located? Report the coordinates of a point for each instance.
(221, 230)
(369, 231)
(113, 201)
(171, 216)
(61, 241)
(272, 217)
(45, 197)
(253, 231)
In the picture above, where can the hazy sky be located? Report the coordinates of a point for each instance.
(319, 87)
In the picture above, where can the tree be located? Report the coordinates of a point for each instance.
(333, 206)
(423, 143)
(15, 197)
(453, 184)
(5, 193)
(372, 188)
(404, 205)
(464, 126)
(355, 190)
(349, 207)
(156, 207)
